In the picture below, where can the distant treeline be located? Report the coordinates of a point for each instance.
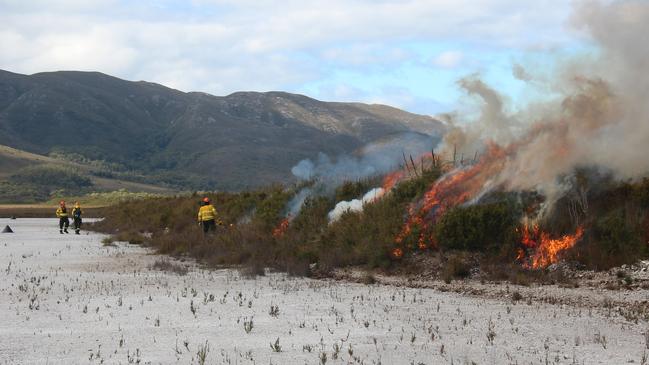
(38, 183)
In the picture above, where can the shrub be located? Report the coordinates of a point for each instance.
(457, 267)
(354, 189)
(478, 228)
(616, 238)
(614, 230)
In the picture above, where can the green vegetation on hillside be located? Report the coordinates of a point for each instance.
(105, 198)
(147, 133)
(39, 183)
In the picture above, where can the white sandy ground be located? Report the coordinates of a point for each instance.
(67, 299)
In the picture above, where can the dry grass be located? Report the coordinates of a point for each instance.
(169, 266)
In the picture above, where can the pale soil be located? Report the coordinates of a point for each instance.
(68, 299)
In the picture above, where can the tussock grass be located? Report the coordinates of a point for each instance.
(166, 265)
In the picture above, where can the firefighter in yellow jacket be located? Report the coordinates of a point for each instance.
(62, 214)
(76, 217)
(207, 216)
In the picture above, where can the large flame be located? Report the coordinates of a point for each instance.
(545, 250)
(456, 187)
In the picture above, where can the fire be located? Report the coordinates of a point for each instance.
(393, 178)
(546, 250)
(456, 187)
(281, 228)
(397, 253)
(529, 239)
(390, 180)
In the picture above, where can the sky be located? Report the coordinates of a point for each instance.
(407, 54)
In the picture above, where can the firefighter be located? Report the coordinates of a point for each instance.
(207, 216)
(62, 214)
(76, 216)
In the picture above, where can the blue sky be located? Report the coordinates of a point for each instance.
(407, 54)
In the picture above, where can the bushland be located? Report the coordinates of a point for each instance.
(484, 235)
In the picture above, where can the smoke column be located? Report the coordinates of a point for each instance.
(598, 118)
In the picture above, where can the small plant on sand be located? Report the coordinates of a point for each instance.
(336, 352)
(248, 325)
(276, 346)
(274, 311)
(192, 308)
(108, 242)
(600, 339)
(201, 355)
(491, 334)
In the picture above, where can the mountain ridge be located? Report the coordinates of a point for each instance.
(198, 140)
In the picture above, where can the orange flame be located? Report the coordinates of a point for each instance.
(546, 250)
(391, 179)
(453, 189)
(397, 253)
(529, 239)
(281, 228)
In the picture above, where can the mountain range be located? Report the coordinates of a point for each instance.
(149, 133)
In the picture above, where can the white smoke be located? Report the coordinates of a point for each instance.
(355, 205)
(374, 159)
(296, 203)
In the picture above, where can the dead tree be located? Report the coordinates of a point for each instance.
(414, 167)
(433, 156)
(405, 162)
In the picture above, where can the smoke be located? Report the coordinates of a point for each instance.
(295, 204)
(594, 114)
(355, 205)
(598, 119)
(495, 122)
(374, 159)
(520, 73)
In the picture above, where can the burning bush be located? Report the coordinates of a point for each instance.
(259, 233)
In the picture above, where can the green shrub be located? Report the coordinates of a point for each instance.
(487, 227)
(642, 193)
(616, 238)
(613, 230)
(354, 189)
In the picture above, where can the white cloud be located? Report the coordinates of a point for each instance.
(449, 59)
(399, 97)
(221, 46)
